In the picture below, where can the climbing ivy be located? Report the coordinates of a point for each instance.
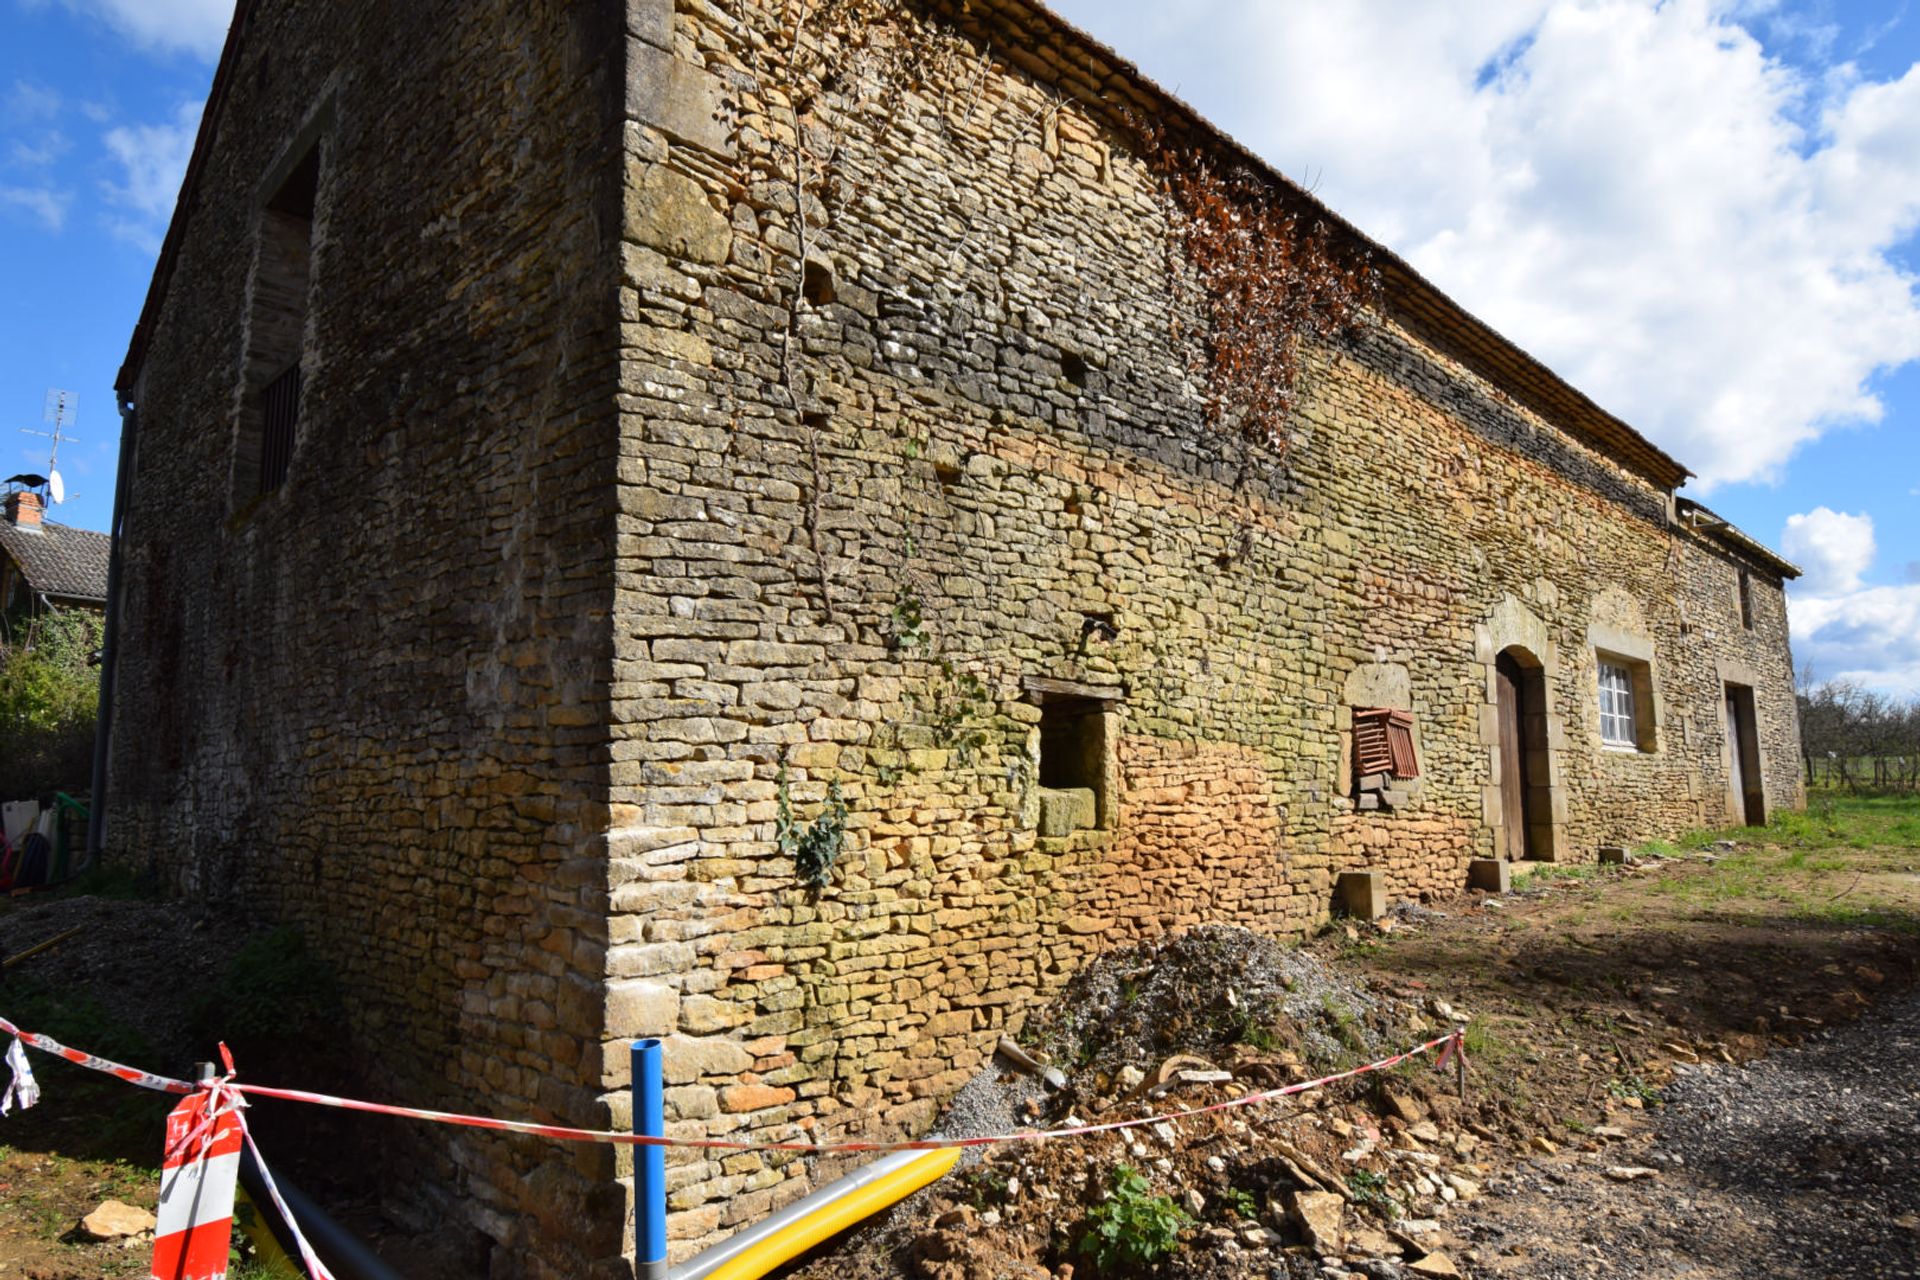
(813, 846)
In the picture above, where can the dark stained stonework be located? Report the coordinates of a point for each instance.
(494, 696)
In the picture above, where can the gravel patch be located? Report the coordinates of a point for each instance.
(1801, 1164)
(142, 961)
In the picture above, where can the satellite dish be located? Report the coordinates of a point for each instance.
(57, 487)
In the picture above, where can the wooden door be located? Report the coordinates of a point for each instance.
(1513, 760)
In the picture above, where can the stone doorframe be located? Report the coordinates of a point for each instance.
(1513, 628)
(1728, 672)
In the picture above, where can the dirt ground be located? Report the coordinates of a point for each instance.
(1585, 992)
(1590, 996)
(134, 984)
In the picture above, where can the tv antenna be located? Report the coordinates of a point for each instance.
(61, 411)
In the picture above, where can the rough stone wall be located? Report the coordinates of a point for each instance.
(371, 704)
(1722, 650)
(644, 538)
(853, 527)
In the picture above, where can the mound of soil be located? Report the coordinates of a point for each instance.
(1205, 992)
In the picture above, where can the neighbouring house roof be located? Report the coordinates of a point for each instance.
(1721, 530)
(58, 560)
(1043, 44)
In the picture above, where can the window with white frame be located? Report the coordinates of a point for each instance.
(1618, 718)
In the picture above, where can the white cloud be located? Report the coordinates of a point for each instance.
(47, 205)
(198, 27)
(1694, 233)
(1871, 636)
(29, 101)
(50, 146)
(1834, 548)
(1842, 628)
(152, 159)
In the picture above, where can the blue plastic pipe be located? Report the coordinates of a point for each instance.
(649, 1165)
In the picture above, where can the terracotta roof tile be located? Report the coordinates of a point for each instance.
(59, 560)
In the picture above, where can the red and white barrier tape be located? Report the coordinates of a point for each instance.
(314, 1267)
(1454, 1042)
(145, 1079)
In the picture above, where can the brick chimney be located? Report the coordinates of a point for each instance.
(24, 509)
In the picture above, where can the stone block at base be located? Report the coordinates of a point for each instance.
(1495, 875)
(1066, 810)
(1612, 855)
(1362, 894)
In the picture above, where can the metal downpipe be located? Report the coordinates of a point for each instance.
(110, 640)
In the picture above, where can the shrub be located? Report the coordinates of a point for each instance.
(49, 699)
(274, 990)
(1132, 1226)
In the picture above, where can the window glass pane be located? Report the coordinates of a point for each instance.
(1616, 705)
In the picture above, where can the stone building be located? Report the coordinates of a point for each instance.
(44, 565)
(533, 524)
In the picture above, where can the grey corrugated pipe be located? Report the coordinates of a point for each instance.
(103, 723)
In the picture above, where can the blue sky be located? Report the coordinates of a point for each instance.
(1701, 212)
(97, 107)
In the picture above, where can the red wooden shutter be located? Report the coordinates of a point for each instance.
(1400, 744)
(1372, 752)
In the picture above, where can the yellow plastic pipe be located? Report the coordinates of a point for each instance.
(835, 1216)
(268, 1252)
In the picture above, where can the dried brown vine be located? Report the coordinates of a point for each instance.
(1265, 282)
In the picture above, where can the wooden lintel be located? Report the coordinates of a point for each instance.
(1042, 688)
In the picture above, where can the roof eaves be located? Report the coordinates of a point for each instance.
(1698, 519)
(183, 203)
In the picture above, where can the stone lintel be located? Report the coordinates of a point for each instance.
(1043, 688)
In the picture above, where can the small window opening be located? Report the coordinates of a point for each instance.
(1746, 599)
(948, 474)
(276, 333)
(816, 284)
(1098, 627)
(1074, 369)
(1073, 765)
(1383, 757)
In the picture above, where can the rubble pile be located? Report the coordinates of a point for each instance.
(1353, 1179)
(1208, 990)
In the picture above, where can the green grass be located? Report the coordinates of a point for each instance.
(125, 1120)
(1564, 871)
(1635, 1087)
(1827, 865)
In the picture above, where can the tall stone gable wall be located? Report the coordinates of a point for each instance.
(371, 704)
(999, 454)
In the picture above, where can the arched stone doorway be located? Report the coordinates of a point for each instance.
(1523, 765)
(1523, 804)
